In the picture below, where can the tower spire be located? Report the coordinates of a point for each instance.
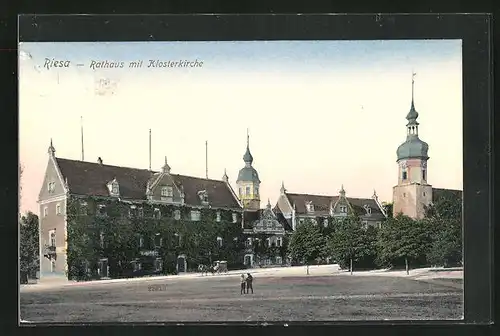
(248, 158)
(413, 74)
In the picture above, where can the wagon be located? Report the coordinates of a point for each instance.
(221, 266)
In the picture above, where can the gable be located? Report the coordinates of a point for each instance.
(51, 175)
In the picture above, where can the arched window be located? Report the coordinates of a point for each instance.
(404, 174)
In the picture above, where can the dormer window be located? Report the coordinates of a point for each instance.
(309, 207)
(217, 216)
(203, 195)
(368, 209)
(114, 188)
(343, 209)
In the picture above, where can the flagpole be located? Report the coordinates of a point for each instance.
(150, 149)
(81, 130)
(206, 159)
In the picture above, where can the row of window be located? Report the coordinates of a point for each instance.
(325, 222)
(195, 215)
(277, 242)
(248, 191)
(58, 210)
(404, 174)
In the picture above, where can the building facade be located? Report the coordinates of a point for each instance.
(297, 208)
(413, 194)
(139, 193)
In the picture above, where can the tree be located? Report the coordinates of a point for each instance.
(445, 214)
(307, 244)
(350, 243)
(402, 239)
(29, 258)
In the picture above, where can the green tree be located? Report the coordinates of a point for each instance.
(29, 257)
(350, 244)
(445, 214)
(307, 244)
(403, 240)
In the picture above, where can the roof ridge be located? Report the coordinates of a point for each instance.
(107, 165)
(198, 178)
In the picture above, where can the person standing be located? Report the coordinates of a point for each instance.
(249, 281)
(243, 284)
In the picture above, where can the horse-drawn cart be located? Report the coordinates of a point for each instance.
(221, 266)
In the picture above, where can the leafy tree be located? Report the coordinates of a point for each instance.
(307, 244)
(29, 258)
(350, 243)
(445, 214)
(403, 240)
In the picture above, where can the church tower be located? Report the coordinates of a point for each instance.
(412, 193)
(248, 182)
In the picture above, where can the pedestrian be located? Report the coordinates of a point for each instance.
(249, 281)
(243, 284)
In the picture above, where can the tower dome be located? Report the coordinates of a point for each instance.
(248, 173)
(413, 147)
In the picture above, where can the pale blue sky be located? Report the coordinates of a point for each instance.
(320, 113)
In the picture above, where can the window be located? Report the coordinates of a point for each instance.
(157, 213)
(167, 191)
(235, 217)
(424, 174)
(404, 175)
(404, 194)
(364, 224)
(279, 241)
(101, 239)
(379, 225)
(177, 214)
(158, 240)
(141, 241)
(114, 188)
(325, 222)
(343, 209)
(217, 216)
(195, 215)
(83, 208)
(248, 242)
(158, 265)
(368, 210)
(247, 190)
(101, 210)
(52, 238)
(45, 211)
(309, 207)
(279, 260)
(219, 241)
(51, 187)
(256, 190)
(58, 209)
(136, 264)
(268, 241)
(240, 191)
(140, 212)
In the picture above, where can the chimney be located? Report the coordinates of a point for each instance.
(99, 160)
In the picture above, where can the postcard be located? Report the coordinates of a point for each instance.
(241, 181)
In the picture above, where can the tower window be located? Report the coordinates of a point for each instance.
(247, 190)
(404, 175)
(423, 193)
(256, 190)
(424, 174)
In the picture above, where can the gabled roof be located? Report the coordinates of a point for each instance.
(88, 178)
(322, 204)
